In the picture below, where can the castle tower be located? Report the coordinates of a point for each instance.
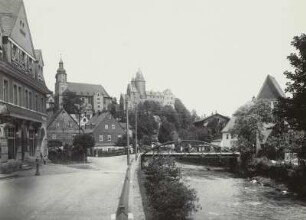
(140, 84)
(60, 84)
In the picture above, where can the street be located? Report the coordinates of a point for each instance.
(78, 191)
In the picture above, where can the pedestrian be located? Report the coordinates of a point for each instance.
(37, 166)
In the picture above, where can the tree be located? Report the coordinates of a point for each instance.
(249, 125)
(81, 143)
(113, 108)
(166, 131)
(293, 109)
(70, 100)
(184, 115)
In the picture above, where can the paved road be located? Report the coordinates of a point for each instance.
(65, 192)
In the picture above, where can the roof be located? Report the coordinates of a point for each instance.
(86, 89)
(8, 14)
(270, 89)
(54, 116)
(230, 124)
(96, 120)
(139, 76)
(11, 11)
(123, 125)
(214, 115)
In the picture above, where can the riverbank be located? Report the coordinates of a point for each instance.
(226, 195)
(279, 175)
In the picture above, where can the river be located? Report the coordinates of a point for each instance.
(223, 196)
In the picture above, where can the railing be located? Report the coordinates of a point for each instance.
(123, 207)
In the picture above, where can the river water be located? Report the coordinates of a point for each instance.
(223, 196)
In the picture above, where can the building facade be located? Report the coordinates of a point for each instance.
(95, 98)
(136, 93)
(23, 91)
(106, 131)
(63, 127)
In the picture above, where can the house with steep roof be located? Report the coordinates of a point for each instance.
(63, 127)
(106, 131)
(270, 91)
(23, 118)
(95, 98)
(213, 125)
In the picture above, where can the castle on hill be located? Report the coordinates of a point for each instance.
(136, 93)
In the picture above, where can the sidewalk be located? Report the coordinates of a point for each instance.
(44, 169)
(136, 206)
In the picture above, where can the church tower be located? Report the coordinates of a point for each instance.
(60, 84)
(140, 84)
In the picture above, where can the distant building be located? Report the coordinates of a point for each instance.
(137, 93)
(94, 96)
(270, 91)
(106, 131)
(50, 102)
(213, 125)
(62, 127)
(23, 91)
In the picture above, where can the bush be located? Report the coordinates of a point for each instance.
(168, 196)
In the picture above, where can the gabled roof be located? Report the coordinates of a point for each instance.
(86, 89)
(230, 124)
(270, 89)
(8, 14)
(97, 119)
(11, 11)
(55, 115)
(212, 116)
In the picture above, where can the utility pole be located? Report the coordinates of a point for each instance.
(136, 148)
(127, 131)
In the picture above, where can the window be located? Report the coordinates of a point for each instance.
(15, 99)
(113, 127)
(109, 137)
(119, 136)
(36, 103)
(30, 101)
(53, 136)
(106, 127)
(100, 137)
(42, 106)
(5, 90)
(19, 96)
(26, 99)
(227, 136)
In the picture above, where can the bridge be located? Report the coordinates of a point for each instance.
(193, 151)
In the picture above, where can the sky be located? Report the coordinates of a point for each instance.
(214, 55)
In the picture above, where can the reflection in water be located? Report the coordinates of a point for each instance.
(222, 196)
